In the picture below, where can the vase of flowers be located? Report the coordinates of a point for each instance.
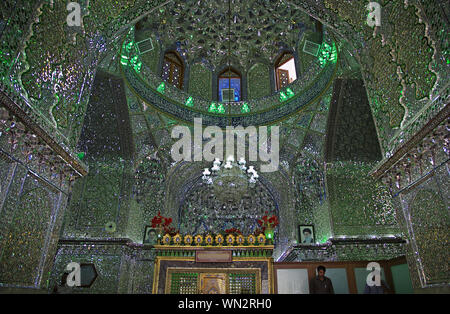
(162, 226)
(268, 225)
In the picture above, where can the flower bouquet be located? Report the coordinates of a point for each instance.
(268, 225)
(162, 225)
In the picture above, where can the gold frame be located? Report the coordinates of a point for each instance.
(205, 277)
(158, 260)
(208, 247)
(213, 271)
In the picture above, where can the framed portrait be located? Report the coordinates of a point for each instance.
(150, 236)
(306, 234)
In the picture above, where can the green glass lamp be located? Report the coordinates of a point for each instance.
(283, 96)
(269, 233)
(161, 88)
(221, 108)
(289, 93)
(212, 107)
(245, 108)
(189, 102)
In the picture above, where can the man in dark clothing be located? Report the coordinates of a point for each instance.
(321, 284)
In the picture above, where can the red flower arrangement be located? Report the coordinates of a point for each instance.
(233, 230)
(268, 222)
(163, 223)
(171, 231)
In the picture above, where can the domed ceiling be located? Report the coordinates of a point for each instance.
(200, 29)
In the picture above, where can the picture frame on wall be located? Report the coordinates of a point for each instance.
(306, 234)
(150, 236)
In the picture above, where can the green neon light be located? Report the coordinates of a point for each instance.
(221, 108)
(283, 96)
(124, 60)
(327, 54)
(333, 57)
(161, 88)
(245, 108)
(138, 66)
(129, 46)
(190, 102)
(269, 234)
(212, 107)
(136, 63)
(289, 93)
(134, 60)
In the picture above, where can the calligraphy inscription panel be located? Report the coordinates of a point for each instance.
(213, 256)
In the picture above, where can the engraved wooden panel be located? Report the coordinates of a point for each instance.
(283, 78)
(213, 283)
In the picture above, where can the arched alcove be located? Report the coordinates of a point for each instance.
(258, 81)
(200, 81)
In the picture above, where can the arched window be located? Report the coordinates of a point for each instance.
(173, 69)
(229, 85)
(285, 70)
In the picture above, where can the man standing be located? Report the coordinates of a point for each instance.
(321, 284)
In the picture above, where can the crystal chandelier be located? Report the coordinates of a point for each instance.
(230, 179)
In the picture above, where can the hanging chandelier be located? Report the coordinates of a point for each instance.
(230, 180)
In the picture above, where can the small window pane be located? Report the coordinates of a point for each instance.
(224, 83)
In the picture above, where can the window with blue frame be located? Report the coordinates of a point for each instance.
(229, 86)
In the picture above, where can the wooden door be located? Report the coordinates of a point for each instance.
(283, 78)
